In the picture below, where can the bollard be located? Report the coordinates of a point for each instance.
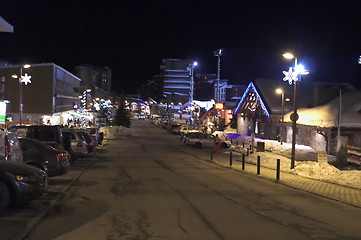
(258, 164)
(278, 170)
(237, 142)
(212, 155)
(243, 161)
(243, 144)
(247, 151)
(230, 158)
(231, 141)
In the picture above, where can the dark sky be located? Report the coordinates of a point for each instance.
(132, 37)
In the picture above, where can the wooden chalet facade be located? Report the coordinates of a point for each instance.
(253, 115)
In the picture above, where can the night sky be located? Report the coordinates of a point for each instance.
(132, 37)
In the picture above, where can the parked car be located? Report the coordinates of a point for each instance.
(10, 147)
(88, 139)
(142, 116)
(20, 182)
(184, 130)
(175, 128)
(96, 134)
(202, 140)
(77, 146)
(187, 129)
(51, 135)
(41, 155)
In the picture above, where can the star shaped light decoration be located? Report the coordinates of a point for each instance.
(290, 76)
(26, 79)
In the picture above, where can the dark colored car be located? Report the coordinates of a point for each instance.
(51, 135)
(53, 161)
(175, 128)
(20, 182)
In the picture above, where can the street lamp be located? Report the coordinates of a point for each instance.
(293, 76)
(280, 91)
(218, 53)
(26, 80)
(190, 68)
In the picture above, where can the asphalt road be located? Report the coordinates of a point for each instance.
(148, 186)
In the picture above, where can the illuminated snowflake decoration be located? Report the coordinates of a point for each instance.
(290, 76)
(26, 79)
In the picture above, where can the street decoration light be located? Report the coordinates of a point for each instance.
(218, 53)
(280, 91)
(293, 75)
(190, 68)
(22, 79)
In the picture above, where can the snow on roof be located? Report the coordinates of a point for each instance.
(327, 115)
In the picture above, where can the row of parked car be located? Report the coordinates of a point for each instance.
(29, 155)
(193, 137)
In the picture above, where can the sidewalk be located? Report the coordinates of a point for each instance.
(334, 191)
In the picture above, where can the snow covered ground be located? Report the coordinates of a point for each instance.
(306, 164)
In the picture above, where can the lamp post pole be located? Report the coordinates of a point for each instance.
(20, 96)
(26, 80)
(218, 53)
(283, 116)
(294, 118)
(280, 91)
(293, 76)
(191, 71)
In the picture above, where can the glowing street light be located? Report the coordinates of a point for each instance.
(22, 79)
(280, 91)
(293, 76)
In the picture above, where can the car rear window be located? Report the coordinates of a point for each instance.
(45, 134)
(92, 130)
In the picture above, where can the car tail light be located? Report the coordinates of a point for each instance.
(7, 148)
(61, 157)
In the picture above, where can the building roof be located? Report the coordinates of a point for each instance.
(5, 26)
(327, 115)
(309, 94)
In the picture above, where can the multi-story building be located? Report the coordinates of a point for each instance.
(46, 91)
(94, 77)
(95, 84)
(175, 74)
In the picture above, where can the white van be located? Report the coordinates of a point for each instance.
(10, 147)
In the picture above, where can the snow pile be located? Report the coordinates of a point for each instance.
(306, 162)
(303, 153)
(116, 131)
(313, 169)
(326, 172)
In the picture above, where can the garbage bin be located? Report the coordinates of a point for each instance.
(260, 146)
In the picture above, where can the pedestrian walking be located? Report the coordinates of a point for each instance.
(217, 145)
